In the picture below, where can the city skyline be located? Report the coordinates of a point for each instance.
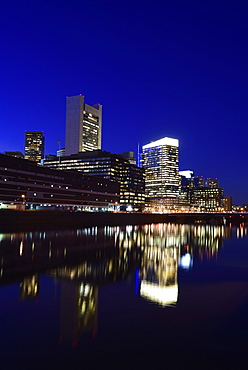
(177, 69)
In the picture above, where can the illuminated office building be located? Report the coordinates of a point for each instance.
(110, 166)
(160, 161)
(207, 199)
(227, 204)
(34, 146)
(83, 126)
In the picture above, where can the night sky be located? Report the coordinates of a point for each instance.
(173, 68)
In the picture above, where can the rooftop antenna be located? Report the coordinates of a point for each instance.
(59, 153)
(138, 160)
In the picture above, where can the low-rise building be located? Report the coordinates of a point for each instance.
(207, 199)
(227, 203)
(110, 166)
(25, 182)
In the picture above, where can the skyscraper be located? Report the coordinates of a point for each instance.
(160, 160)
(83, 126)
(34, 145)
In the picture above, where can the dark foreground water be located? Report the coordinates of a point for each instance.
(138, 297)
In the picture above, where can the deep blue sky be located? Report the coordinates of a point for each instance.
(173, 68)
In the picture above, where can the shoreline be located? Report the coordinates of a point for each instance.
(13, 220)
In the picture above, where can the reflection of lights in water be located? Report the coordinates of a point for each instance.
(21, 248)
(84, 290)
(129, 229)
(186, 261)
(164, 295)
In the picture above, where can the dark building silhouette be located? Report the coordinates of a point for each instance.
(23, 181)
(212, 183)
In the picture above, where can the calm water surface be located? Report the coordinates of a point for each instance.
(136, 297)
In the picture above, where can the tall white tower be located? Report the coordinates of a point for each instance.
(83, 126)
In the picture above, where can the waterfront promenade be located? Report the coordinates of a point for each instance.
(11, 220)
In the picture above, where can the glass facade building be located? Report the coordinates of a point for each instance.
(160, 161)
(207, 199)
(83, 126)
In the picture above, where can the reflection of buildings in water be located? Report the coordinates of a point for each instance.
(29, 287)
(193, 239)
(99, 267)
(31, 250)
(164, 296)
(105, 254)
(159, 275)
(241, 231)
(205, 240)
(78, 310)
(102, 256)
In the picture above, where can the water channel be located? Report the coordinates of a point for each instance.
(136, 297)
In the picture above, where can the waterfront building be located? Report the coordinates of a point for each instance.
(207, 199)
(160, 161)
(238, 208)
(24, 182)
(83, 126)
(34, 146)
(227, 203)
(130, 178)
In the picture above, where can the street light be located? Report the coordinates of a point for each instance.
(24, 200)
